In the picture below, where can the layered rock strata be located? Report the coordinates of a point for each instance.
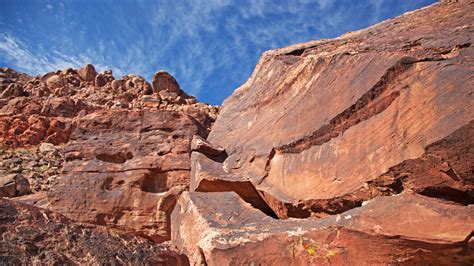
(221, 229)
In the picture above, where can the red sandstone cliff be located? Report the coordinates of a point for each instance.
(369, 136)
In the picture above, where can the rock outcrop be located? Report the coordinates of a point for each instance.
(322, 126)
(99, 150)
(34, 236)
(382, 115)
(129, 177)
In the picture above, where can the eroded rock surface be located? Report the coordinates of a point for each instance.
(221, 229)
(98, 149)
(129, 177)
(368, 137)
(34, 236)
(354, 150)
(322, 126)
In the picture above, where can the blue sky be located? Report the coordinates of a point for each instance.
(210, 46)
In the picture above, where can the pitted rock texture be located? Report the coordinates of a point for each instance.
(34, 236)
(322, 126)
(221, 229)
(100, 150)
(128, 178)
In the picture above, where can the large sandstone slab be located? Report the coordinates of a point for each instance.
(322, 126)
(221, 229)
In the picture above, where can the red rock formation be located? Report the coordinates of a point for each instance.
(368, 136)
(126, 149)
(30, 235)
(130, 176)
(163, 81)
(322, 126)
(87, 73)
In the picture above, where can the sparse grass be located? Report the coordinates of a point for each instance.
(311, 247)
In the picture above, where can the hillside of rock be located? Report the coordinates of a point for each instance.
(99, 150)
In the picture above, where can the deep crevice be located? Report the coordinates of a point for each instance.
(300, 51)
(203, 257)
(449, 194)
(297, 52)
(382, 186)
(245, 190)
(117, 158)
(213, 155)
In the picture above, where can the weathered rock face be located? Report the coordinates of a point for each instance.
(221, 229)
(129, 177)
(30, 235)
(99, 150)
(367, 139)
(322, 126)
(368, 136)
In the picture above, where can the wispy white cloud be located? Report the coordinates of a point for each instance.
(210, 46)
(21, 55)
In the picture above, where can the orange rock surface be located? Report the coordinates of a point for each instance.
(322, 126)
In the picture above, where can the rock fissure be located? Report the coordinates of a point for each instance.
(320, 208)
(245, 190)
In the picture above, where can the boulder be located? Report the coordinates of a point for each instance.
(116, 84)
(8, 186)
(163, 81)
(100, 80)
(46, 148)
(13, 185)
(54, 81)
(87, 73)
